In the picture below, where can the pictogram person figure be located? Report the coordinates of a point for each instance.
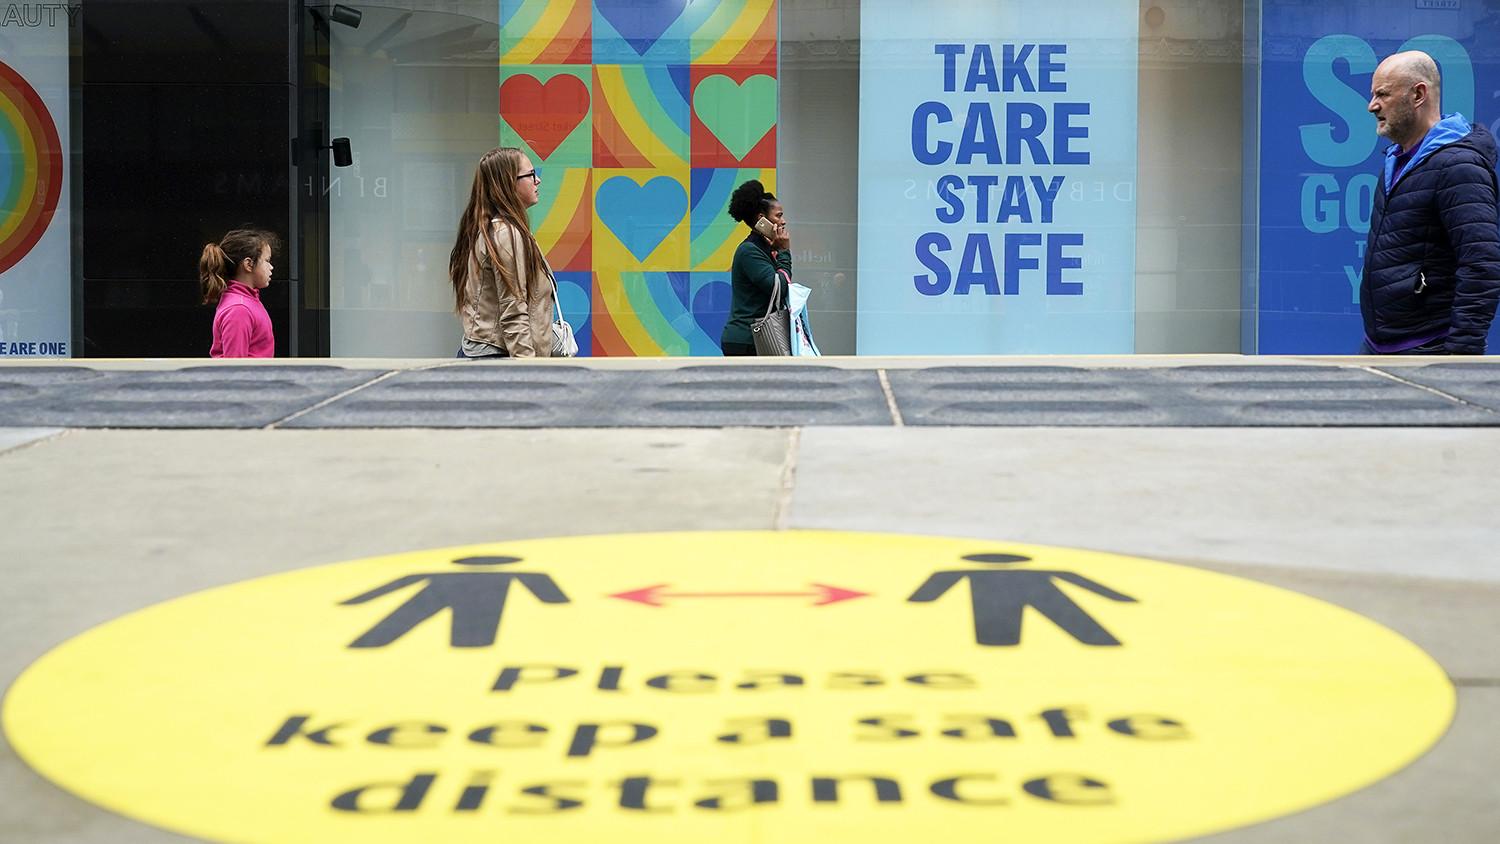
(1001, 597)
(475, 598)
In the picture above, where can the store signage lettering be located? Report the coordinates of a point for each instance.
(39, 14)
(56, 348)
(997, 167)
(994, 131)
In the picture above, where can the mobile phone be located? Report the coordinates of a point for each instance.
(765, 228)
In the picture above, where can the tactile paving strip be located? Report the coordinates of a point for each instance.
(197, 397)
(1476, 383)
(1310, 396)
(510, 394)
(1023, 395)
(501, 395)
(477, 395)
(1172, 396)
(755, 396)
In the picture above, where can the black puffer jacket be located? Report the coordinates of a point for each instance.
(1432, 263)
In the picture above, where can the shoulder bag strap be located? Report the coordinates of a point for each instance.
(775, 294)
(557, 310)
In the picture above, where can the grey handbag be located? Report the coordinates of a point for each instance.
(772, 333)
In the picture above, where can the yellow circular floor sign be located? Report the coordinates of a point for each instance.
(728, 687)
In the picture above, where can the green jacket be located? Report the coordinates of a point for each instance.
(751, 277)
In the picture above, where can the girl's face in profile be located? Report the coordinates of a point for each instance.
(259, 276)
(528, 183)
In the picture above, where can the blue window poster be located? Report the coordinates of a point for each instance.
(997, 177)
(1311, 166)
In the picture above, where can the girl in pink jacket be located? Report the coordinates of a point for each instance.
(233, 272)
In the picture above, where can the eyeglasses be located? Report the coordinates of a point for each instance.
(533, 175)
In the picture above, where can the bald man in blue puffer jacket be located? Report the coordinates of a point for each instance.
(1432, 262)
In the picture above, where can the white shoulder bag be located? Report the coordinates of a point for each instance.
(564, 345)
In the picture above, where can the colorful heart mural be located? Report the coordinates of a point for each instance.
(544, 114)
(641, 215)
(642, 119)
(739, 114)
(546, 32)
(646, 114)
(639, 23)
(714, 235)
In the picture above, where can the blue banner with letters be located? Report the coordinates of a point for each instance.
(1319, 155)
(997, 161)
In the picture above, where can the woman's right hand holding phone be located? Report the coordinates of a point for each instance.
(774, 233)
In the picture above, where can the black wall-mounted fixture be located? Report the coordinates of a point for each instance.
(342, 155)
(339, 14)
(346, 15)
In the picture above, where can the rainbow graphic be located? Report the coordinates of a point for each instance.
(545, 32)
(680, 109)
(649, 313)
(31, 168)
(714, 235)
(640, 116)
(738, 32)
(563, 222)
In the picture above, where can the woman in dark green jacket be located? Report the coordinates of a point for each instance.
(763, 260)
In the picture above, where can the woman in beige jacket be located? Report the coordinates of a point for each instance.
(503, 290)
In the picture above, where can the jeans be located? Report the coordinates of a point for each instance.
(462, 356)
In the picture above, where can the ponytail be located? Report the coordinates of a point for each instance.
(217, 264)
(213, 266)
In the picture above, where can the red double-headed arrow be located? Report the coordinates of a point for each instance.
(654, 596)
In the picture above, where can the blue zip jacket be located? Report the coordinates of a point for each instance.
(1432, 262)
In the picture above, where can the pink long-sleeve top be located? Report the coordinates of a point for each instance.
(242, 328)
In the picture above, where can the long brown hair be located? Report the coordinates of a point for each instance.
(219, 261)
(494, 195)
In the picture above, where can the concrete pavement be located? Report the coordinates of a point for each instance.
(1394, 523)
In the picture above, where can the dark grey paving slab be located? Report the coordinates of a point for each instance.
(478, 395)
(1477, 383)
(755, 396)
(195, 397)
(515, 395)
(1170, 396)
(502, 395)
(1025, 395)
(1311, 395)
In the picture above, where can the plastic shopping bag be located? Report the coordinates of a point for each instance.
(802, 339)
